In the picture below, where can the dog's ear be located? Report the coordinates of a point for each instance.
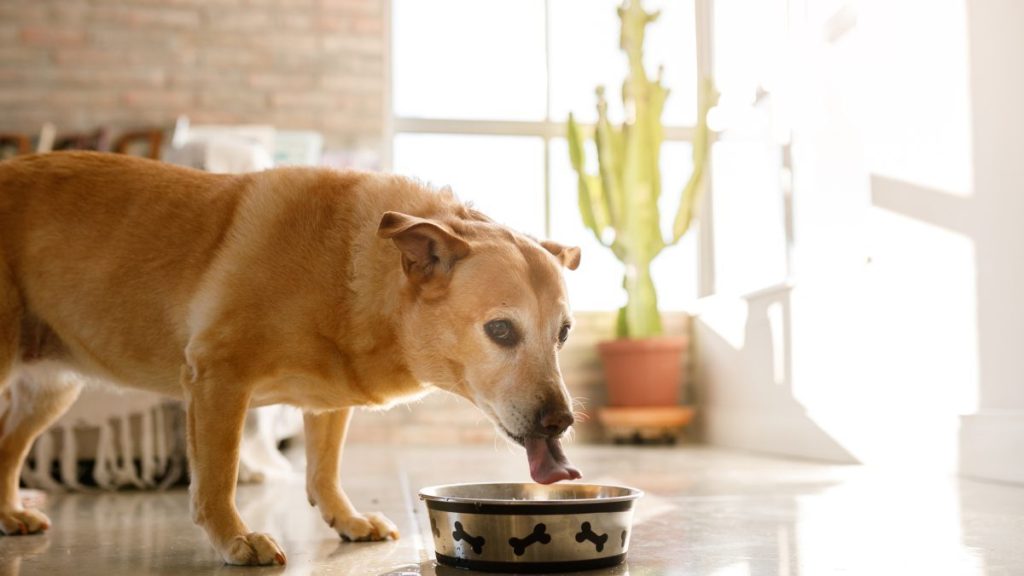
(428, 248)
(568, 256)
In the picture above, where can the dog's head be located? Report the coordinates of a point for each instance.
(486, 313)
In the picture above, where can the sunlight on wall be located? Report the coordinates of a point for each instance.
(923, 282)
(888, 357)
(915, 88)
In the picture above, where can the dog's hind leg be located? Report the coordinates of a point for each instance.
(325, 435)
(38, 396)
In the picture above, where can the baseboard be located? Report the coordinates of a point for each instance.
(992, 445)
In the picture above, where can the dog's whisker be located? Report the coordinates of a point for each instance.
(581, 416)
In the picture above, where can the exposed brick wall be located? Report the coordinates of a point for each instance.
(296, 64)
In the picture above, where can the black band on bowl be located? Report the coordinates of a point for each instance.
(531, 509)
(531, 567)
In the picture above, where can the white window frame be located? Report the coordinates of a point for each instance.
(547, 129)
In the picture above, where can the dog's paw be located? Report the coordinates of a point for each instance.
(14, 522)
(253, 549)
(368, 527)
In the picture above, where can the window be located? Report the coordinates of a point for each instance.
(481, 93)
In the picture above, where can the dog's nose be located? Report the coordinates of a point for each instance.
(554, 422)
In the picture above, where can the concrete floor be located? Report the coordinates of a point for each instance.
(706, 511)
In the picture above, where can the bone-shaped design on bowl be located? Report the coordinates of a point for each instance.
(519, 545)
(586, 533)
(476, 542)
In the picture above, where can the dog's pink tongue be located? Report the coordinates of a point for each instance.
(547, 461)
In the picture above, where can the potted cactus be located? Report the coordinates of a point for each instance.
(619, 205)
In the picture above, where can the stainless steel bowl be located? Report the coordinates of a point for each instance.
(530, 527)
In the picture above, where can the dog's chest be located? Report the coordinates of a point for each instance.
(379, 388)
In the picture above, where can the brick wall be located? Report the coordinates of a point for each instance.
(296, 64)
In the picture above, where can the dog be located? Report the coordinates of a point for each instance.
(321, 289)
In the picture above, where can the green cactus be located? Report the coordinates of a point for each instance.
(619, 204)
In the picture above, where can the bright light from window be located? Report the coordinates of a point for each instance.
(469, 59)
(750, 235)
(749, 42)
(916, 109)
(503, 176)
(585, 53)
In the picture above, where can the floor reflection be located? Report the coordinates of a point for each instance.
(706, 512)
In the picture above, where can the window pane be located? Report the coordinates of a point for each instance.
(675, 269)
(750, 237)
(503, 176)
(597, 283)
(585, 53)
(469, 59)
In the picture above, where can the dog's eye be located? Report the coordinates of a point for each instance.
(563, 334)
(502, 332)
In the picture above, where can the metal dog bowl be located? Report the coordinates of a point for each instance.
(530, 527)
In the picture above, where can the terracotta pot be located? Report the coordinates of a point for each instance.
(643, 372)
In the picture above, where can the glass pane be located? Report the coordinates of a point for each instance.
(750, 236)
(585, 53)
(675, 269)
(469, 59)
(503, 176)
(597, 283)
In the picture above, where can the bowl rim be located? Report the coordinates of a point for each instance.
(426, 495)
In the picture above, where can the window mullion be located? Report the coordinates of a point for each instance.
(703, 20)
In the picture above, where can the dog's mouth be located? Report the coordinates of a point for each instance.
(548, 462)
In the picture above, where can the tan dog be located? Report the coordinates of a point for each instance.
(320, 289)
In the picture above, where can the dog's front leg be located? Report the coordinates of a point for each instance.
(215, 416)
(325, 435)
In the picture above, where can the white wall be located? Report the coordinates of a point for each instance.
(993, 438)
(906, 311)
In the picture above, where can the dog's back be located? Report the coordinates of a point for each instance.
(91, 240)
(115, 262)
